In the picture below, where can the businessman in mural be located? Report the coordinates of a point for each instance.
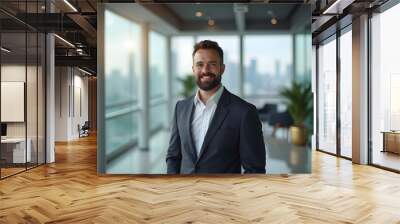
(214, 131)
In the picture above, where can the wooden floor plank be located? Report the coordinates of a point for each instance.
(70, 191)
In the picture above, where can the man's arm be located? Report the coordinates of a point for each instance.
(174, 155)
(252, 147)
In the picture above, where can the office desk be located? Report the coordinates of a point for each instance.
(391, 141)
(13, 150)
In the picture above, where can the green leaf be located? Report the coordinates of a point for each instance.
(299, 101)
(188, 85)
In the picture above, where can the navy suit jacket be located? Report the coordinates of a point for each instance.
(233, 140)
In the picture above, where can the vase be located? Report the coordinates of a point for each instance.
(298, 135)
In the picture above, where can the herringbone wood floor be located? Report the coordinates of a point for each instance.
(70, 191)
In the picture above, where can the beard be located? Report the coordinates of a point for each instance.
(213, 81)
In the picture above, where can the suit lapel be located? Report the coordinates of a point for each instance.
(188, 118)
(219, 117)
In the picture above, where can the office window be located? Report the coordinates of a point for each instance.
(303, 57)
(230, 46)
(122, 69)
(158, 117)
(266, 72)
(327, 96)
(181, 62)
(385, 88)
(122, 59)
(158, 81)
(346, 94)
(314, 89)
(158, 65)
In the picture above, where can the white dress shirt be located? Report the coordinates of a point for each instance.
(202, 117)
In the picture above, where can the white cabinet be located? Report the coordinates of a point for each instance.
(18, 149)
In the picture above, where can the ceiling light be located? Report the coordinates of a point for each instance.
(199, 14)
(65, 41)
(84, 71)
(274, 21)
(5, 50)
(211, 22)
(70, 5)
(43, 7)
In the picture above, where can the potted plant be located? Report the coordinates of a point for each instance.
(299, 100)
(188, 84)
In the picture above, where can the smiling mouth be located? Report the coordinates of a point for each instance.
(207, 78)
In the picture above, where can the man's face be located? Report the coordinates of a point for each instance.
(207, 68)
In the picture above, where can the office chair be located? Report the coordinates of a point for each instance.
(84, 130)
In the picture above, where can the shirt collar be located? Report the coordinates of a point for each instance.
(214, 98)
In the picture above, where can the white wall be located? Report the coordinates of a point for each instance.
(12, 73)
(71, 87)
(34, 124)
(79, 117)
(61, 103)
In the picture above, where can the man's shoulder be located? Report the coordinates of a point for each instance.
(185, 101)
(240, 103)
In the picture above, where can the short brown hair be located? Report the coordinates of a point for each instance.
(209, 44)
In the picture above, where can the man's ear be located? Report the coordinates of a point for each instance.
(193, 69)
(222, 69)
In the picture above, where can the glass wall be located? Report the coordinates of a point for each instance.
(122, 68)
(346, 93)
(181, 63)
(327, 96)
(31, 101)
(385, 89)
(302, 68)
(158, 118)
(158, 81)
(15, 154)
(22, 94)
(158, 65)
(303, 46)
(41, 97)
(265, 74)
